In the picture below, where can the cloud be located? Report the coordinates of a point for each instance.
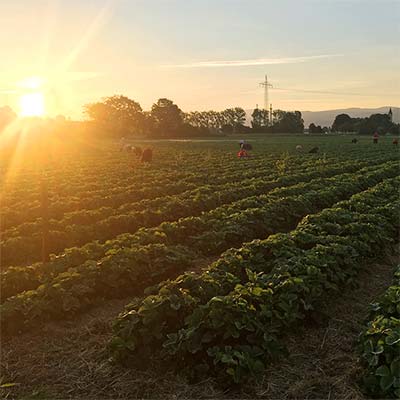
(251, 62)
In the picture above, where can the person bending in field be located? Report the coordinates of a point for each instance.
(147, 155)
(354, 141)
(137, 150)
(247, 146)
(375, 138)
(314, 150)
(395, 141)
(243, 153)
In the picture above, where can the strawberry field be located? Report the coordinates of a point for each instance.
(218, 259)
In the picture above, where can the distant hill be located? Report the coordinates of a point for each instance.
(326, 118)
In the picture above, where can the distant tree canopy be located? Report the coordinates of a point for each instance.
(260, 119)
(228, 121)
(282, 121)
(118, 114)
(167, 117)
(121, 116)
(317, 128)
(377, 123)
(343, 123)
(365, 126)
(287, 122)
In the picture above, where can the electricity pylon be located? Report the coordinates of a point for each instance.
(266, 86)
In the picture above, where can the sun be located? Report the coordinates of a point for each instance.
(32, 104)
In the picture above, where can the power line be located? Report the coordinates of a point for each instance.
(333, 93)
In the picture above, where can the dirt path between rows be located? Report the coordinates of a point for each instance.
(66, 360)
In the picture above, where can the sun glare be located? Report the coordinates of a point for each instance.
(32, 104)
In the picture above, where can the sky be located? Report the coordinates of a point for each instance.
(202, 54)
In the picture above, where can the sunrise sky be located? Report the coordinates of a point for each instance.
(202, 54)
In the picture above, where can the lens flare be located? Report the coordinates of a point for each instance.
(32, 105)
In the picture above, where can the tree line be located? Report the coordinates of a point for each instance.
(122, 116)
(381, 123)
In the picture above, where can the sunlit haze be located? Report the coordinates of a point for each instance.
(58, 55)
(32, 104)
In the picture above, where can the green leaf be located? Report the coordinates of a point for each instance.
(393, 338)
(227, 359)
(379, 349)
(257, 291)
(386, 382)
(383, 370)
(395, 368)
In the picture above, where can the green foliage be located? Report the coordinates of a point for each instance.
(117, 114)
(229, 319)
(381, 123)
(379, 344)
(167, 116)
(287, 122)
(260, 119)
(210, 233)
(17, 279)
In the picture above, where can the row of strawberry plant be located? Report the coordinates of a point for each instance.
(89, 216)
(85, 216)
(230, 319)
(86, 183)
(122, 271)
(379, 344)
(17, 279)
(23, 249)
(19, 213)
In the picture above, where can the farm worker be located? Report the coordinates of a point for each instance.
(299, 147)
(395, 141)
(375, 137)
(138, 151)
(241, 144)
(247, 146)
(147, 155)
(242, 153)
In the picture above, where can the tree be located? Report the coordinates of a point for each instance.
(365, 126)
(118, 114)
(343, 123)
(167, 116)
(288, 122)
(149, 124)
(315, 129)
(239, 118)
(259, 119)
(376, 123)
(234, 119)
